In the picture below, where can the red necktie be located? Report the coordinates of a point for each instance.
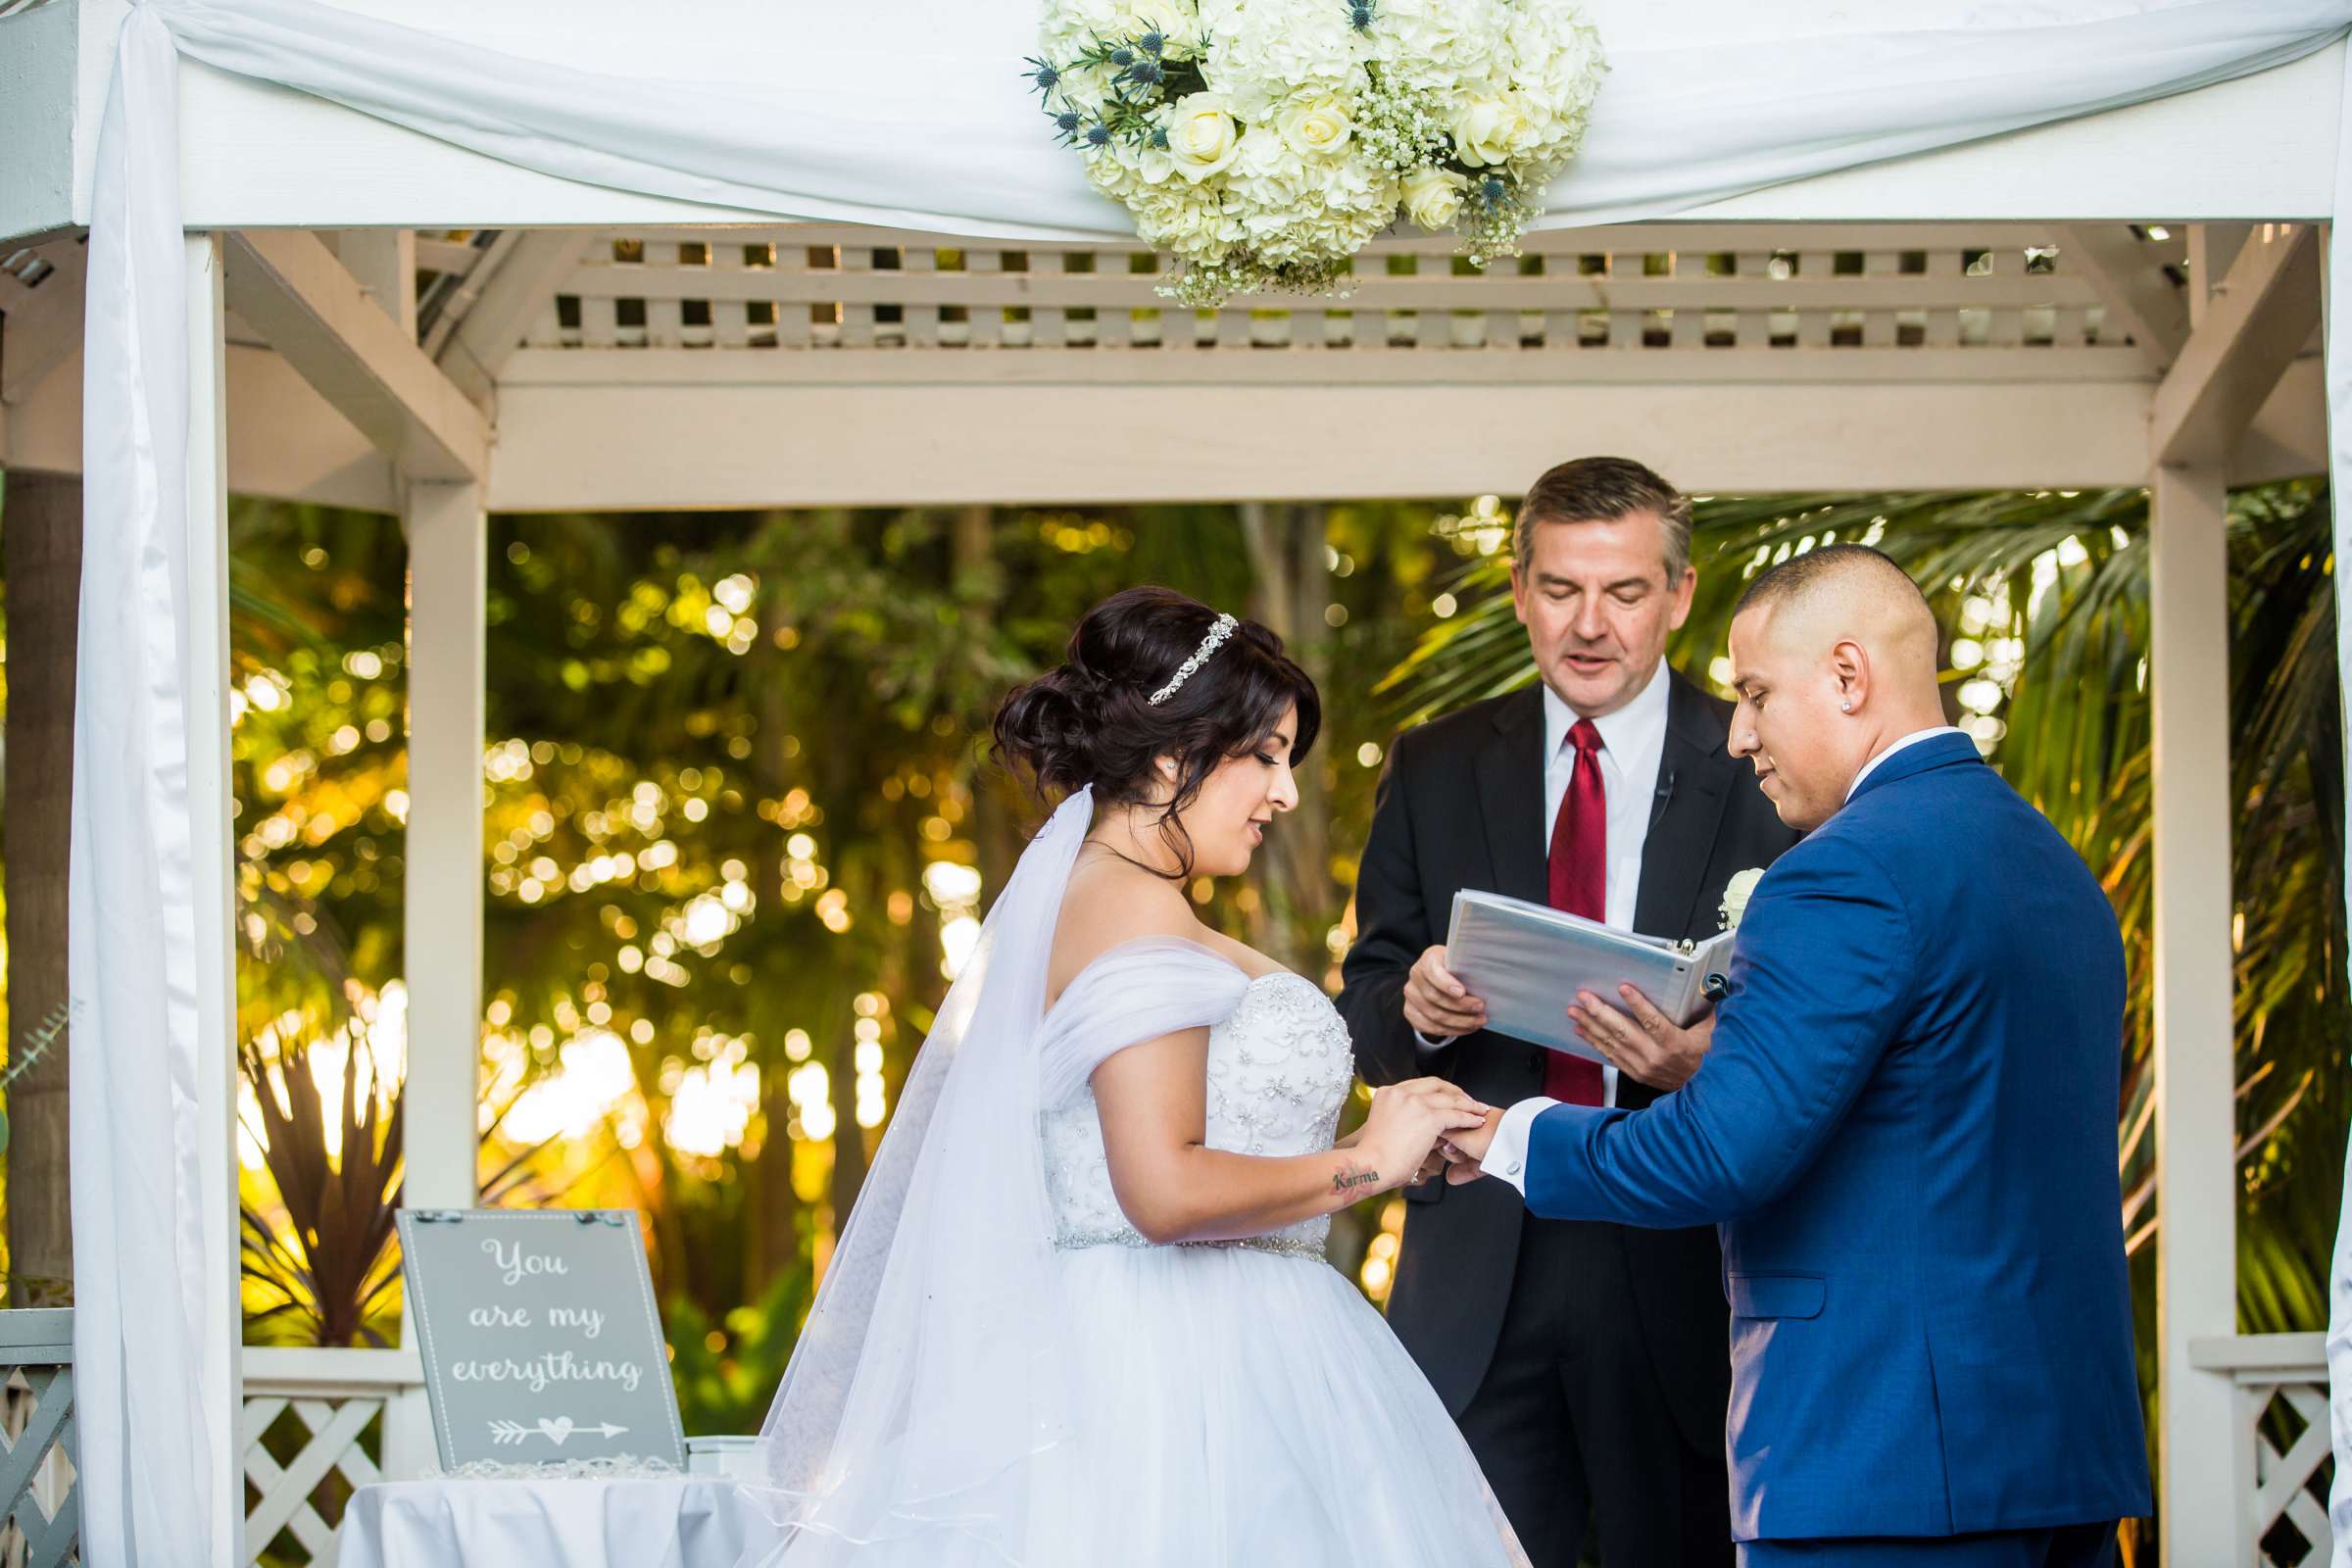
(1580, 885)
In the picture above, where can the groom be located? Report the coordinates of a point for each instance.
(1904, 1123)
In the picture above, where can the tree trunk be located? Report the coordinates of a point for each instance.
(775, 1229)
(996, 827)
(1286, 547)
(42, 539)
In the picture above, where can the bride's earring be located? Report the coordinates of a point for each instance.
(1845, 707)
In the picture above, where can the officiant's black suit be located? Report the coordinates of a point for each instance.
(1623, 1423)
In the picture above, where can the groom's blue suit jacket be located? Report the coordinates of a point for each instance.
(1906, 1128)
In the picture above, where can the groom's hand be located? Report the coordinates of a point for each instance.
(1464, 1149)
(1437, 1004)
(1641, 1042)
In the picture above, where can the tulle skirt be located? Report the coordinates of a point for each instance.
(1235, 1406)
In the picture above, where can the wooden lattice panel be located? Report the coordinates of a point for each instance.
(2292, 1467)
(1646, 292)
(303, 1494)
(40, 1513)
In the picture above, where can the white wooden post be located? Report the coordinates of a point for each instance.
(2202, 1452)
(442, 938)
(205, 670)
(385, 261)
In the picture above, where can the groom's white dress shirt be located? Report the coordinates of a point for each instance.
(1633, 748)
(1507, 1154)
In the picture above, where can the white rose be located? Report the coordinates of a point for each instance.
(1735, 894)
(1433, 197)
(1313, 126)
(1202, 136)
(1489, 129)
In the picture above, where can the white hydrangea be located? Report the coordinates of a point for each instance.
(1267, 52)
(1445, 45)
(1267, 141)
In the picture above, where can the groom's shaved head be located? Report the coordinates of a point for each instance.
(1851, 591)
(1833, 658)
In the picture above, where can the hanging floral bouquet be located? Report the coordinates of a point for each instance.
(1264, 142)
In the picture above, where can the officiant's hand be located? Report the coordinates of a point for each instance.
(1436, 1004)
(1641, 1042)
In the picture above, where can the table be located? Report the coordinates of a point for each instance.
(694, 1521)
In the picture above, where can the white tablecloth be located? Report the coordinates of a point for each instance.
(681, 1522)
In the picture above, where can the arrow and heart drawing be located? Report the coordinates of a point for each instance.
(555, 1429)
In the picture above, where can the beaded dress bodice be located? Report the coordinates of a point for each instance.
(1279, 1068)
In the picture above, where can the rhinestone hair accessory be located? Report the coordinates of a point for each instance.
(1200, 655)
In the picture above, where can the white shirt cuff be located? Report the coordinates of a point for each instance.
(1428, 1045)
(1506, 1154)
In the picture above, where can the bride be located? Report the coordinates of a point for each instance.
(1080, 1314)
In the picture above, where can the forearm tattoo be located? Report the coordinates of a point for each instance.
(1350, 1176)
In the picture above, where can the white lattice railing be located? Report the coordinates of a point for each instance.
(318, 1423)
(40, 1517)
(1718, 288)
(2283, 1463)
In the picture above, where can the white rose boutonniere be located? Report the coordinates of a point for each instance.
(1735, 894)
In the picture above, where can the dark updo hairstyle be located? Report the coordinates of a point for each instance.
(1090, 719)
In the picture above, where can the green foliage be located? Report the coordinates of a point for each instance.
(37, 1043)
(327, 1275)
(726, 1371)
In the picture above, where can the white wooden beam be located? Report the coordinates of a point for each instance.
(2128, 273)
(2262, 314)
(44, 325)
(287, 286)
(2288, 438)
(491, 322)
(38, 90)
(441, 922)
(384, 263)
(2212, 247)
(696, 446)
(2201, 1450)
(204, 666)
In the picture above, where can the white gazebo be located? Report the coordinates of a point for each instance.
(382, 319)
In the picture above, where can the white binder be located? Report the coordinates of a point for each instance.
(1526, 962)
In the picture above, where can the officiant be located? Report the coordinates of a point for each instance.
(1585, 1362)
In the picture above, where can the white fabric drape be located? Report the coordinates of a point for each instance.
(2339, 477)
(896, 112)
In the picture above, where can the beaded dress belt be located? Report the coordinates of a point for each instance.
(1281, 1246)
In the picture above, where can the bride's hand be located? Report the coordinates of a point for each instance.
(1407, 1119)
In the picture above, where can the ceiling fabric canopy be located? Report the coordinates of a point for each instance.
(900, 113)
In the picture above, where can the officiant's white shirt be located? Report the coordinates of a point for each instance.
(1506, 1155)
(1633, 748)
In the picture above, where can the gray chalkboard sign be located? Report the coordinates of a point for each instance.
(539, 1337)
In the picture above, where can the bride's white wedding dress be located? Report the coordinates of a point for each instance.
(1108, 1400)
(1248, 1404)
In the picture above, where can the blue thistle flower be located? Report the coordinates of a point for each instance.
(1495, 189)
(1159, 139)
(1359, 14)
(1146, 73)
(1122, 57)
(1068, 122)
(1044, 75)
(1151, 43)
(1098, 136)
